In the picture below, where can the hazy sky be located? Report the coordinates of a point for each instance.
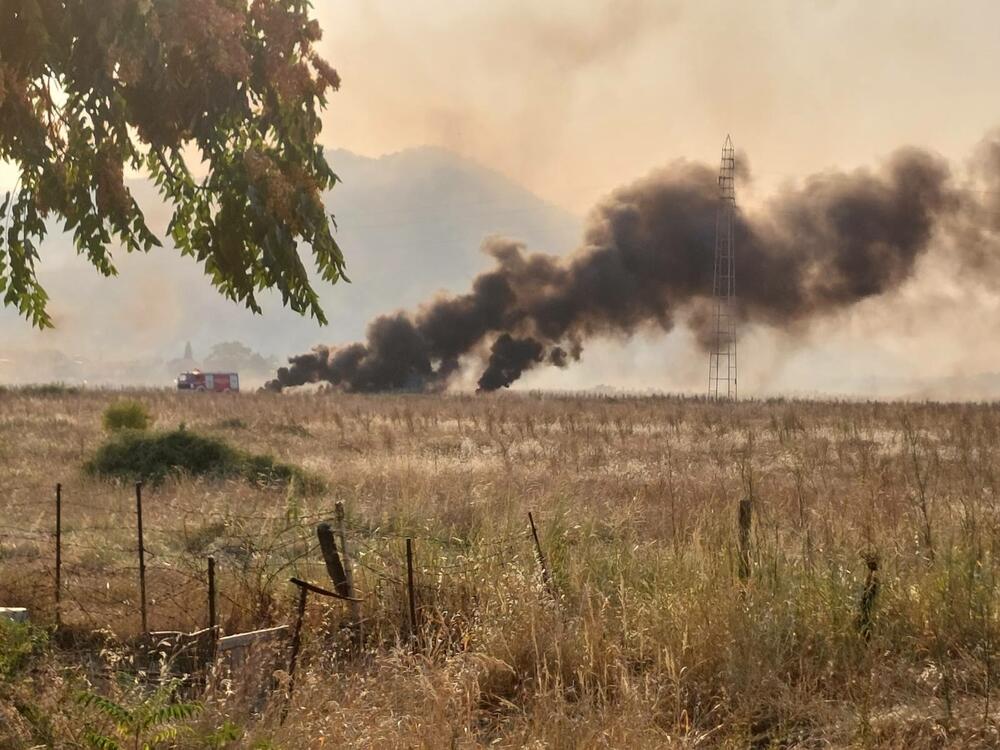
(571, 97)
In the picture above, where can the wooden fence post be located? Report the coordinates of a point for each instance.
(356, 617)
(334, 566)
(58, 555)
(411, 593)
(213, 627)
(293, 655)
(745, 525)
(142, 557)
(866, 607)
(546, 578)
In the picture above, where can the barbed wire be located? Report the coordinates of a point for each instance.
(31, 534)
(33, 504)
(364, 543)
(86, 612)
(289, 519)
(272, 543)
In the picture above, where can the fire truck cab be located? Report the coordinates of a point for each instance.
(220, 382)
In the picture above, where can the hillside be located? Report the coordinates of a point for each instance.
(410, 223)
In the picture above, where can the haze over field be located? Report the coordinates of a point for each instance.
(413, 221)
(536, 113)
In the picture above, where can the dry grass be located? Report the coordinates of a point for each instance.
(655, 639)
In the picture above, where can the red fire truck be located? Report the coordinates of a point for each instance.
(220, 382)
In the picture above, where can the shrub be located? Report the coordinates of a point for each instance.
(150, 721)
(19, 642)
(152, 457)
(127, 415)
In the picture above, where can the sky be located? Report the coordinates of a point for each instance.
(573, 98)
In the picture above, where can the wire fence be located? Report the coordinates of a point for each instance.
(86, 564)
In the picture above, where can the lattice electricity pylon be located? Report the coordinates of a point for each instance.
(722, 358)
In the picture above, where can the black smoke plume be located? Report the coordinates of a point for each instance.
(509, 357)
(646, 260)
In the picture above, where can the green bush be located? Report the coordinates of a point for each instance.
(127, 415)
(19, 642)
(152, 457)
(149, 721)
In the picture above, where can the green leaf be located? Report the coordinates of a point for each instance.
(122, 106)
(100, 742)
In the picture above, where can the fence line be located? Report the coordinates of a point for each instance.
(257, 551)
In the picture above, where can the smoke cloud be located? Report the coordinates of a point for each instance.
(646, 261)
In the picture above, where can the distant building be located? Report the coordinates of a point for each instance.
(187, 363)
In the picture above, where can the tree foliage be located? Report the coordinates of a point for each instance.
(153, 721)
(238, 357)
(217, 101)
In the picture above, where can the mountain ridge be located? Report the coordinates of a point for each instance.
(410, 224)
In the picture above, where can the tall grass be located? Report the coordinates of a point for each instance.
(667, 629)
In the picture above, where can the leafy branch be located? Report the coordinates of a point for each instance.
(92, 91)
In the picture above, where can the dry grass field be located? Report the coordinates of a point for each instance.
(660, 629)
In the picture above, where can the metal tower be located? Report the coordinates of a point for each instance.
(722, 359)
